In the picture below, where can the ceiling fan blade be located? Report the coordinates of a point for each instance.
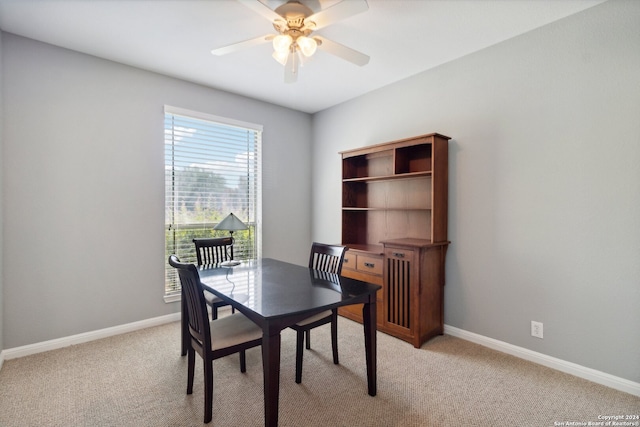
(242, 45)
(342, 51)
(291, 68)
(342, 10)
(261, 9)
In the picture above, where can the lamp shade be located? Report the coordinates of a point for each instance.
(282, 43)
(231, 223)
(307, 45)
(281, 57)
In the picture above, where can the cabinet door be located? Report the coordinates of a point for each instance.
(401, 275)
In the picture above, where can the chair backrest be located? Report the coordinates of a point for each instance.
(213, 250)
(327, 258)
(193, 293)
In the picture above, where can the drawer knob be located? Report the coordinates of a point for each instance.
(369, 264)
(398, 254)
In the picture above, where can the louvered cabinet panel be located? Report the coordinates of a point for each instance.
(399, 279)
(413, 289)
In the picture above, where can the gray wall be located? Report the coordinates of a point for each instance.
(84, 188)
(544, 188)
(1, 201)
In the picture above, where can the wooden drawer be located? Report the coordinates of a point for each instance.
(367, 268)
(349, 261)
(361, 263)
(369, 264)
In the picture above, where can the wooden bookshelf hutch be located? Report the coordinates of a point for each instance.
(394, 222)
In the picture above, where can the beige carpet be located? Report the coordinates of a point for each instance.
(139, 379)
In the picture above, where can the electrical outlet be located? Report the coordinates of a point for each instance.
(536, 329)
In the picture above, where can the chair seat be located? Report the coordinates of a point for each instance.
(315, 318)
(212, 299)
(232, 330)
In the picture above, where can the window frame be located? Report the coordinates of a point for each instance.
(253, 196)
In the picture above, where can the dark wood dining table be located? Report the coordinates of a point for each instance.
(281, 294)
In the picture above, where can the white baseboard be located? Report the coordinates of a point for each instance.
(548, 361)
(30, 349)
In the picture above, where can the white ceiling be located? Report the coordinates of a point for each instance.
(402, 37)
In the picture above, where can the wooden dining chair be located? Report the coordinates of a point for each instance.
(211, 339)
(214, 251)
(326, 258)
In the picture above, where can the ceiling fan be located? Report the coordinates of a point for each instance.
(295, 24)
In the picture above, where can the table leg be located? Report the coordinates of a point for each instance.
(369, 321)
(271, 368)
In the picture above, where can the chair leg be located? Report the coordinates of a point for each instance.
(299, 352)
(191, 362)
(334, 336)
(243, 361)
(208, 390)
(184, 328)
(308, 334)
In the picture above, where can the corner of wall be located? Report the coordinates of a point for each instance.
(1, 204)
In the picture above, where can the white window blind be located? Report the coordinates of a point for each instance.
(212, 168)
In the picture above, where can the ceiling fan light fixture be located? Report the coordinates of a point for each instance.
(294, 23)
(307, 45)
(281, 57)
(281, 43)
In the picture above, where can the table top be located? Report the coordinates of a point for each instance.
(277, 288)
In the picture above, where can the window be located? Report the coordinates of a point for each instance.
(212, 168)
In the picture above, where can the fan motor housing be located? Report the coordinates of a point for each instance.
(294, 12)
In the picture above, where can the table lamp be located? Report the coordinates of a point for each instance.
(231, 223)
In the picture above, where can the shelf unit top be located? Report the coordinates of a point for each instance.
(394, 144)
